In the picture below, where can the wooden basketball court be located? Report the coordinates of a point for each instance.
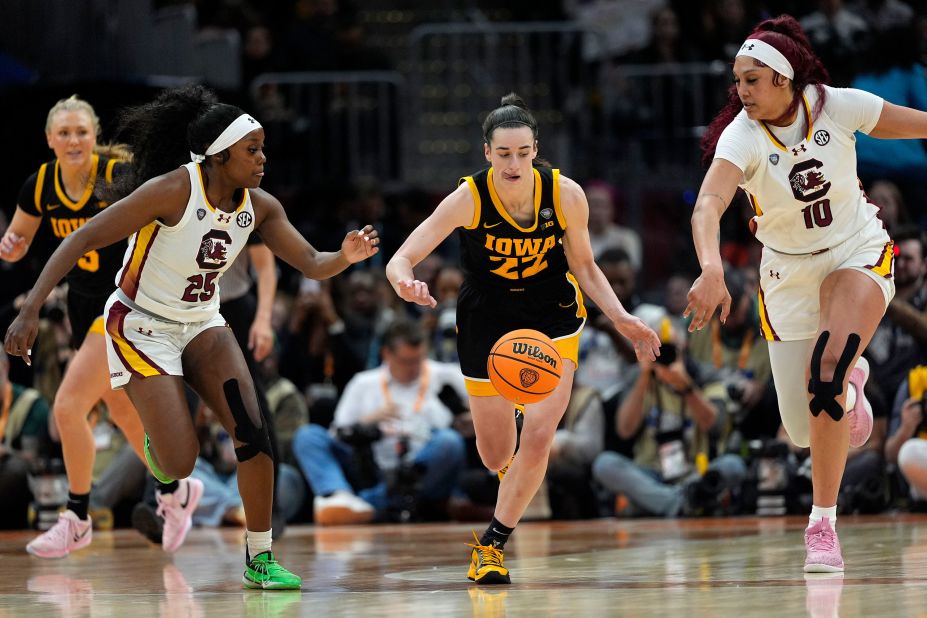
(712, 568)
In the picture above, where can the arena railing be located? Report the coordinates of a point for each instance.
(326, 127)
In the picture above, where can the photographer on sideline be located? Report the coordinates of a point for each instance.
(907, 444)
(675, 411)
(391, 419)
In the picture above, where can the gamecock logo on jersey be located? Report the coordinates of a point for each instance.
(213, 253)
(808, 181)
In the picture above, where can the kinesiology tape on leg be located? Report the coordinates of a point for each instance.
(254, 437)
(825, 393)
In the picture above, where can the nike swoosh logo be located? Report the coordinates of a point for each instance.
(184, 504)
(565, 306)
(52, 206)
(497, 531)
(78, 537)
(487, 226)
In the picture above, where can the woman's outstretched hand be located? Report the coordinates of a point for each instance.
(415, 291)
(706, 293)
(360, 244)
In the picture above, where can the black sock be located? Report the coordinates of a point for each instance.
(496, 534)
(167, 488)
(79, 503)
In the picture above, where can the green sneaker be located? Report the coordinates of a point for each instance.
(155, 470)
(265, 573)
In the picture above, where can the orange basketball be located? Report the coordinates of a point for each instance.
(524, 366)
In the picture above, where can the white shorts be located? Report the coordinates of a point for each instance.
(141, 345)
(790, 285)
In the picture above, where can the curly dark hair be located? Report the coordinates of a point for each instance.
(163, 132)
(785, 34)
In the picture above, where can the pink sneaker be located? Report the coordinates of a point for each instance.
(68, 534)
(859, 412)
(177, 510)
(823, 549)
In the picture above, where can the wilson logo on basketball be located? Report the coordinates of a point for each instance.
(533, 351)
(527, 377)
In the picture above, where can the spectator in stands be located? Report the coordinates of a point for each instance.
(441, 322)
(339, 340)
(676, 413)
(907, 443)
(604, 233)
(892, 208)
(579, 439)
(900, 340)
(737, 349)
(394, 411)
(666, 46)
(839, 36)
(23, 436)
(605, 355)
(725, 25)
(882, 15)
(891, 70)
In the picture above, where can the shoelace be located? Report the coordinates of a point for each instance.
(265, 566)
(61, 531)
(822, 541)
(489, 555)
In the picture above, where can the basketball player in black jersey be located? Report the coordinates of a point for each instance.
(526, 257)
(61, 196)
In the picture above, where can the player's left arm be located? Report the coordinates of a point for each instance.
(899, 122)
(582, 264)
(289, 245)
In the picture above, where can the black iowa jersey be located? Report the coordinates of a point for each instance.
(43, 195)
(498, 252)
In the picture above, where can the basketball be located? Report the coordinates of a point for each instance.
(524, 366)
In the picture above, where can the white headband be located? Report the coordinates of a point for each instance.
(768, 55)
(239, 128)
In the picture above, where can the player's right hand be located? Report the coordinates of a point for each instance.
(12, 247)
(706, 293)
(415, 291)
(21, 335)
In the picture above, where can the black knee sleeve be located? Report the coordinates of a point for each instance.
(824, 394)
(254, 437)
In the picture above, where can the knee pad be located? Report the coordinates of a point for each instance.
(824, 394)
(254, 438)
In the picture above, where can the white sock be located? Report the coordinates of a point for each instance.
(258, 542)
(820, 512)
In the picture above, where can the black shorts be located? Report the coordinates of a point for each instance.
(484, 315)
(83, 311)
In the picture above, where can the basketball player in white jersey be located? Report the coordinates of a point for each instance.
(787, 140)
(163, 325)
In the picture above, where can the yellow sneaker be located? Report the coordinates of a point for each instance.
(486, 564)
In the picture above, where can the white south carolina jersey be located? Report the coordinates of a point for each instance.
(173, 271)
(801, 179)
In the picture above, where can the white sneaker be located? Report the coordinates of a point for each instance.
(68, 534)
(859, 412)
(177, 510)
(341, 509)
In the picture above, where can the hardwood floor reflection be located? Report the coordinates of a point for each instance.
(720, 567)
